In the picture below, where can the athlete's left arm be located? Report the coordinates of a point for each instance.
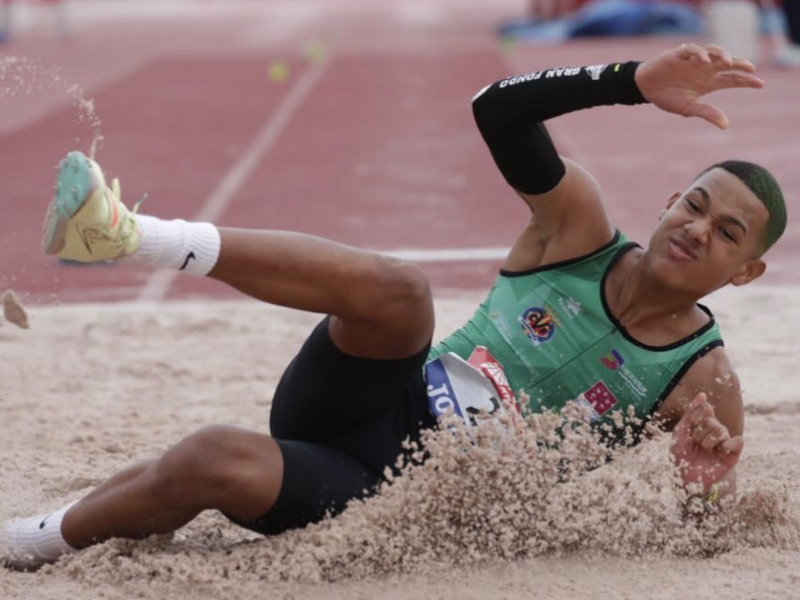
(706, 414)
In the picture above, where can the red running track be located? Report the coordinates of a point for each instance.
(372, 145)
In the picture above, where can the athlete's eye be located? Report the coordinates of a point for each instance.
(727, 234)
(693, 206)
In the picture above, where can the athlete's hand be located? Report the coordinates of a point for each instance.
(702, 447)
(675, 79)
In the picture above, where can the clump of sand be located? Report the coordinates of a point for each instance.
(478, 497)
(13, 311)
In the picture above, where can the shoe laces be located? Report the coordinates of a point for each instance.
(139, 203)
(116, 190)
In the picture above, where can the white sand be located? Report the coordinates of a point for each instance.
(91, 388)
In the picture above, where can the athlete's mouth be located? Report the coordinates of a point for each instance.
(680, 249)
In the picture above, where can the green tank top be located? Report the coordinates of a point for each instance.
(552, 331)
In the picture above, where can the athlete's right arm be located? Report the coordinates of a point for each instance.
(564, 199)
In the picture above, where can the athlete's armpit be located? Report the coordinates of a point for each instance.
(567, 222)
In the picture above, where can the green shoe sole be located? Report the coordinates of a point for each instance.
(73, 187)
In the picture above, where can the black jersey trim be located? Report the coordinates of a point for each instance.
(563, 263)
(673, 383)
(672, 346)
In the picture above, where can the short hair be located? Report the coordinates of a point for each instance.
(766, 188)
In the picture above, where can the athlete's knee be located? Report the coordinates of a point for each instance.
(404, 290)
(193, 471)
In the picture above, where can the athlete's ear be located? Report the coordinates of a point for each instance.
(752, 269)
(672, 200)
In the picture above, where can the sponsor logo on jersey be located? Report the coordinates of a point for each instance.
(595, 71)
(503, 327)
(548, 74)
(633, 382)
(493, 369)
(613, 360)
(571, 307)
(538, 324)
(598, 399)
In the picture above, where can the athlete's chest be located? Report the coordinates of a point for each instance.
(546, 322)
(557, 341)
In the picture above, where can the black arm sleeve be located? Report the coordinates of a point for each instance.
(509, 115)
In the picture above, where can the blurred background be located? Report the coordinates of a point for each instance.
(351, 119)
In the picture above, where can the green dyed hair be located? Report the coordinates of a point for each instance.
(766, 188)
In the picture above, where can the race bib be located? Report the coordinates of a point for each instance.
(468, 387)
(453, 385)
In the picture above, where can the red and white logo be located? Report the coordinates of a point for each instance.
(600, 398)
(487, 364)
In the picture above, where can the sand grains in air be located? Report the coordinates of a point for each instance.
(22, 75)
(478, 498)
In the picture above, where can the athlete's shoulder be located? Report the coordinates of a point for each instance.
(714, 375)
(713, 370)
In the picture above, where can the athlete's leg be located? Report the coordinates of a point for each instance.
(381, 310)
(233, 470)
(230, 469)
(261, 483)
(381, 307)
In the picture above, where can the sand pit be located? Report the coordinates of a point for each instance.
(91, 388)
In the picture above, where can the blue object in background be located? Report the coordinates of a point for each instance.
(611, 17)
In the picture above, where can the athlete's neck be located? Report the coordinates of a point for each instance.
(642, 303)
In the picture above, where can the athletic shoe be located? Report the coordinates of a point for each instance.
(87, 221)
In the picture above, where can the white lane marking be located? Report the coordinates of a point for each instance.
(158, 284)
(448, 254)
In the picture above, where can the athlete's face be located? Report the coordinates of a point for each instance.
(709, 235)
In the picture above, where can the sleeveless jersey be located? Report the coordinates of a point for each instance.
(552, 331)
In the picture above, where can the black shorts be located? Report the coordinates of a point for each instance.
(340, 421)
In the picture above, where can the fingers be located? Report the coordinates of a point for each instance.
(728, 72)
(708, 432)
(743, 65)
(719, 55)
(733, 446)
(709, 112)
(713, 54)
(733, 79)
(698, 401)
(689, 51)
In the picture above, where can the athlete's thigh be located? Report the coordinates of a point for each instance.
(324, 392)
(317, 481)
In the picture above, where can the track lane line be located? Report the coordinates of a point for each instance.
(448, 255)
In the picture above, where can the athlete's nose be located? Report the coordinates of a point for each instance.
(697, 230)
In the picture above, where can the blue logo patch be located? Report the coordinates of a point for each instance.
(538, 324)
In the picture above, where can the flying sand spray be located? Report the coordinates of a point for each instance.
(23, 75)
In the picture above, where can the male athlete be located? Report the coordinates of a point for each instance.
(578, 312)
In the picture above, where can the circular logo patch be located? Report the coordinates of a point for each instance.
(538, 324)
